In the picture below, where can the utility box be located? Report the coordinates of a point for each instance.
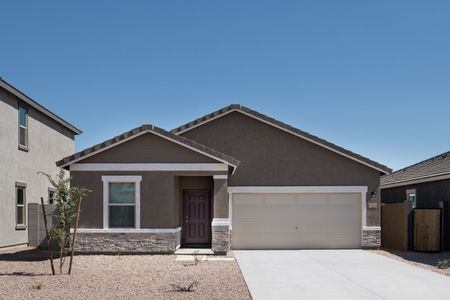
(36, 226)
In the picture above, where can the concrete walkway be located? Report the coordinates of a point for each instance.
(336, 274)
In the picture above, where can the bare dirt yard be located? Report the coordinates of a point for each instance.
(425, 260)
(27, 275)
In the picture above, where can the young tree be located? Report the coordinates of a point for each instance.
(67, 200)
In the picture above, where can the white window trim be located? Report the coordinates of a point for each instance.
(24, 127)
(137, 200)
(302, 189)
(22, 186)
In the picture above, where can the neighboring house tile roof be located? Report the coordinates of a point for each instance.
(13, 90)
(141, 130)
(285, 127)
(428, 170)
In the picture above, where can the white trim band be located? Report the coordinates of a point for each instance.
(220, 176)
(126, 230)
(149, 167)
(221, 222)
(296, 189)
(371, 228)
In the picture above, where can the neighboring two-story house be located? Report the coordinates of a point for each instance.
(32, 138)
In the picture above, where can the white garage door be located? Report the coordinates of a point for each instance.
(296, 221)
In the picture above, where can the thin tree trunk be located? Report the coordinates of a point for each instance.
(74, 235)
(61, 254)
(49, 248)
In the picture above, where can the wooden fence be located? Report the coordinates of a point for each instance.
(394, 226)
(427, 229)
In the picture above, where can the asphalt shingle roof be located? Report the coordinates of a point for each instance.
(435, 166)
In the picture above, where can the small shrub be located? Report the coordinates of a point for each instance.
(443, 264)
(38, 286)
(184, 287)
(119, 253)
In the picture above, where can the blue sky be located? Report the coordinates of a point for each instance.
(371, 76)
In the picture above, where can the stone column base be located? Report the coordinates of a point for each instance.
(220, 237)
(371, 237)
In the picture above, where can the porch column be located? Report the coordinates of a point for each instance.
(220, 243)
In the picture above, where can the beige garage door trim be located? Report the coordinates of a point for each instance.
(299, 192)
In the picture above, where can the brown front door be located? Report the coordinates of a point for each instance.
(196, 217)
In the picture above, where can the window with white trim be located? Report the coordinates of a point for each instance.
(20, 205)
(23, 127)
(411, 197)
(121, 201)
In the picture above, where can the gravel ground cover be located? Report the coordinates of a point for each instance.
(26, 275)
(425, 260)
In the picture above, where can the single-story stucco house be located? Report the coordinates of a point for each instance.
(423, 185)
(232, 171)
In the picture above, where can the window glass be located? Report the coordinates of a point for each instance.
(20, 205)
(20, 196)
(121, 192)
(411, 197)
(121, 204)
(51, 196)
(23, 117)
(121, 216)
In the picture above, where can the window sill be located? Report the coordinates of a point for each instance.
(21, 227)
(23, 148)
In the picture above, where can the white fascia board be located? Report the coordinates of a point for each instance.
(149, 167)
(296, 189)
(221, 222)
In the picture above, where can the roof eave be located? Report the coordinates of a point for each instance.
(16, 92)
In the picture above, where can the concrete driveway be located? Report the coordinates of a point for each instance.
(336, 274)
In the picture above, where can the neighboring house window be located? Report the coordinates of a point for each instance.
(20, 205)
(23, 127)
(51, 195)
(411, 197)
(121, 201)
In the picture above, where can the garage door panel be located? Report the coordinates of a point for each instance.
(291, 221)
(304, 227)
(293, 212)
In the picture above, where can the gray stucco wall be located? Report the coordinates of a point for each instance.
(271, 157)
(48, 142)
(148, 148)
